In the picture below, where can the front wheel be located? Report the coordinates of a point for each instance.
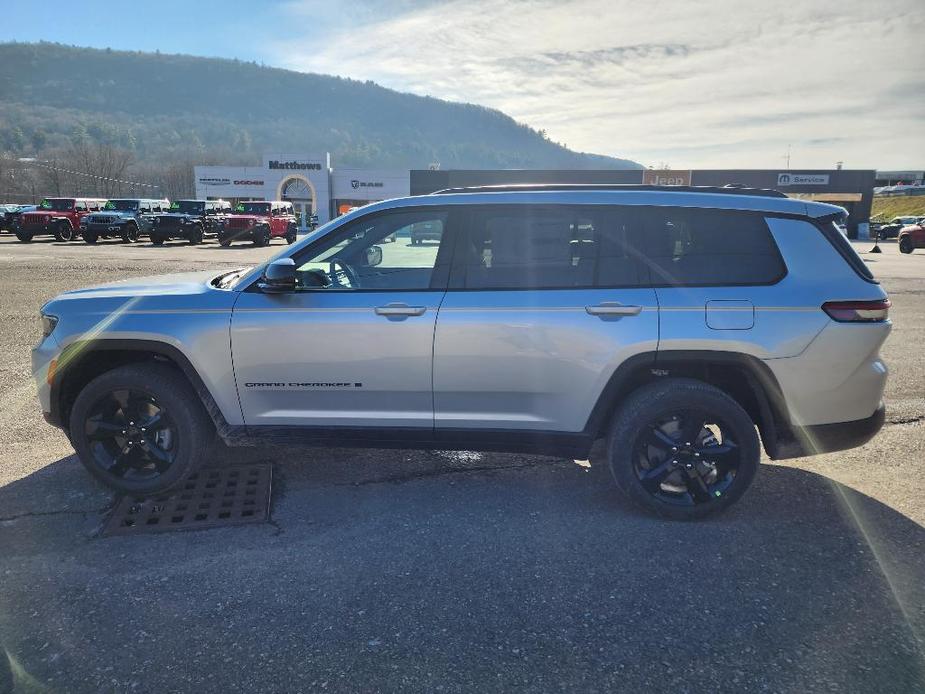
(64, 232)
(140, 429)
(905, 245)
(683, 449)
(130, 234)
(291, 234)
(261, 236)
(195, 236)
(91, 236)
(24, 236)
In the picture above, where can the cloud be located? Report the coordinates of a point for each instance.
(731, 83)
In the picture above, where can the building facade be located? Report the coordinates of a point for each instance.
(314, 187)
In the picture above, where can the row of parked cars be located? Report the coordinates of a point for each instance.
(129, 219)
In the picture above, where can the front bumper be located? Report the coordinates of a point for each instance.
(44, 358)
(102, 229)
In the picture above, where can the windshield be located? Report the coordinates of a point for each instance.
(121, 205)
(188, 207)
(262, 208)
(57, 204)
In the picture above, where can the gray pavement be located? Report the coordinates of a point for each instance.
(401, 570)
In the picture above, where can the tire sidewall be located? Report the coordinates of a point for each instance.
(650, 402)
(905, 245)
(64, 232)
(130, 235)
(171, 391)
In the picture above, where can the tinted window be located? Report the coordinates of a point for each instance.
(526, 246)
(710, 247)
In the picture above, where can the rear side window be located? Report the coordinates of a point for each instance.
(694, 247)
(845, 249)
(551, 247)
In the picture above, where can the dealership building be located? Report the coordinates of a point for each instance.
(315, 187)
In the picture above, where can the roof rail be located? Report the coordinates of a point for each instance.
(732, 189)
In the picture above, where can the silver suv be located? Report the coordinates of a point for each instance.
(677, 323)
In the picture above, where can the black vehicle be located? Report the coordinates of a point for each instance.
(192, 220)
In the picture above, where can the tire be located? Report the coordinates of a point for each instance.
(91, 237)
(149, 464)
(157, 240)
(906, 245)
(130, 235)
(63, 232)
(291, 234)
(195, 236)
(24, 236)
(673, 473)
(261, 237)
(224, 241)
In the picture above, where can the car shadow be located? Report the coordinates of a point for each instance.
(804, 581)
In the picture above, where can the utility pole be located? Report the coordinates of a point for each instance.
(787, 158)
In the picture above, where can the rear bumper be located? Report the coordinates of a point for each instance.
(828, 438)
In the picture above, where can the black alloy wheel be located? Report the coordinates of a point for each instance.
(132, 436)
(130, 234)
(140, 428)
(686, 458)
(63, 232)
(682, 448)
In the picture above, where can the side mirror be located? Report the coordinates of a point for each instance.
(278, 277)
(373, 256)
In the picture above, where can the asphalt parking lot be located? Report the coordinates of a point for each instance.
(394, 570)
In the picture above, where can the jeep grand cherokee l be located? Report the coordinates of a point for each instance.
(191, 220)
(678, 324)
(59, 217)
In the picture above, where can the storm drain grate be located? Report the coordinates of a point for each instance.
(207, 499)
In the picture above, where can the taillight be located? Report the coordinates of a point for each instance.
(858, 311)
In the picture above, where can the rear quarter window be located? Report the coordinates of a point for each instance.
(697, 247)
(834, 236)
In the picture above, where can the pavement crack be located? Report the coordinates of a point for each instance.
(440, 472)
(905, 420)
(41, 514)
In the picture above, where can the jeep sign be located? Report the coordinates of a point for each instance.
(655, 177)
(794, 179)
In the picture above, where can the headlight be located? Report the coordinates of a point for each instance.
(48, 324)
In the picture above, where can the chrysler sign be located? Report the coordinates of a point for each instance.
(793, 179)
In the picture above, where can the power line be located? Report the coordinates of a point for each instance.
(57, 169)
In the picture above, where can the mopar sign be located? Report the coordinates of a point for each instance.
(357, 184)
(296, 165)
(793, 179)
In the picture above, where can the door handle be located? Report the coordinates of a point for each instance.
(400, 310)
(613, 308)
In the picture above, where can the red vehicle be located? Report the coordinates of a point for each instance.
(57, 216)
(259, 221)
(912, 237)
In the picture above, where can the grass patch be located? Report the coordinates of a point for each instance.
(886, 208)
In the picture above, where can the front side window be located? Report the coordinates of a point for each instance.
(57, 204)
(80, 206)
(689, 246)
(258, 208)
(376, 253)
(121, 205)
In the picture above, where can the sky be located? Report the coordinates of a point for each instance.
(724, 84)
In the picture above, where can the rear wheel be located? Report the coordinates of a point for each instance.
(63, 231)
(140, 429)
(906, 245)
(130, 233)
(24, 236)
(683, 449)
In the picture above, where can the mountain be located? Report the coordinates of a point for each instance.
(169, 108)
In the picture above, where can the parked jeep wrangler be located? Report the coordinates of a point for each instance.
(125, 218)
(259, 222)
(677, 323)
(59, 217)
(192, 220)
